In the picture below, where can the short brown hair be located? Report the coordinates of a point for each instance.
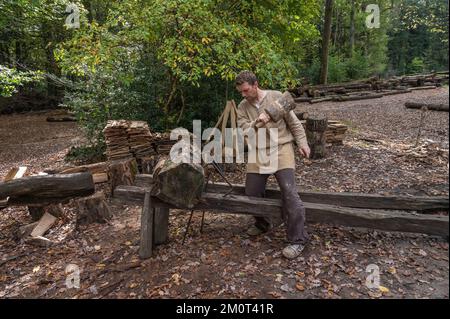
(246, 76)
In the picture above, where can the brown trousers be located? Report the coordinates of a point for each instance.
(293, 209)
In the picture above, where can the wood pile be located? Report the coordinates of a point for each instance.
(116, 139)
(369, 88)
(335, 132)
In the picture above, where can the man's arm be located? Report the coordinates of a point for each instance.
(296, 128)
(243, 121)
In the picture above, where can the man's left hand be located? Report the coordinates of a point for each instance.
(305, 151)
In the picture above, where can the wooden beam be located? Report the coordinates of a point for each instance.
(146, 244)
(316, 213)
(356, 200)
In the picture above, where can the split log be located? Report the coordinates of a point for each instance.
(44, 224)
(135, 195)
(178, 183)
(322, 213)
(95, 168)
(93, 209)
(47, 189)
(428, 106)
(315, 134)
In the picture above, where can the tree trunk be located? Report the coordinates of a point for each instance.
(326, 41)
(352, 28)
(93, 209)
(47, 189)
(315, 133)
(122, 172)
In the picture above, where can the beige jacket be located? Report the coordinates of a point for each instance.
(289, 129)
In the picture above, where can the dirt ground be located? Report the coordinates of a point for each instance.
(382, 153)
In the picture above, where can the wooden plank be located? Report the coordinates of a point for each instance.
(44, 224)
(347, 199)
(161, 225)
(146, 244)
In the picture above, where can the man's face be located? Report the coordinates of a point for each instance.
(248, 91)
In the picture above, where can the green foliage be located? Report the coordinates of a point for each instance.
(11, 79)
(86, 154)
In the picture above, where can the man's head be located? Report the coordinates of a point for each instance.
(247, 85)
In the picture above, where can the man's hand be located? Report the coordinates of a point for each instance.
(263, 117)
(305, 151)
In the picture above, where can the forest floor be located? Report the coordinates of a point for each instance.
(381, 154)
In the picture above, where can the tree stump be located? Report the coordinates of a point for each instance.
(316, 125)
(93, 209)
(180, 184)
(122, 172)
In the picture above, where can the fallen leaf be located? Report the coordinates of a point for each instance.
(383, 289)
(300, 287)
(36, 269)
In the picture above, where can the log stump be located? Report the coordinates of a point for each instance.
(93, 209)
(122, 172)
(316, 125)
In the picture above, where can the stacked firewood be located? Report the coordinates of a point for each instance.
(335, 132)
(116, 138)
(140, 139)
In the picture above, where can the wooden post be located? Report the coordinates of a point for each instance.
(315, 133)
(146, 244)
(161, 225)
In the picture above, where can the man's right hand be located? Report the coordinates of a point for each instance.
(263, 117)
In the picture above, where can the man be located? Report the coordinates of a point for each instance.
(250, 112)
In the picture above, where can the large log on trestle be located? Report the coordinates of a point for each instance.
(47, 189)
(180, 184)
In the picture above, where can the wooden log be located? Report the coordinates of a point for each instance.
(394, 92)
(302, 99)
(178, 183)
(93, 209)
(357, 97)
(346, 199)
(47, 189)
(323, 99)
(161, 225)
(315, 134)
(61, 119)
(146, 243)
(428, 106)
(423, 88)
